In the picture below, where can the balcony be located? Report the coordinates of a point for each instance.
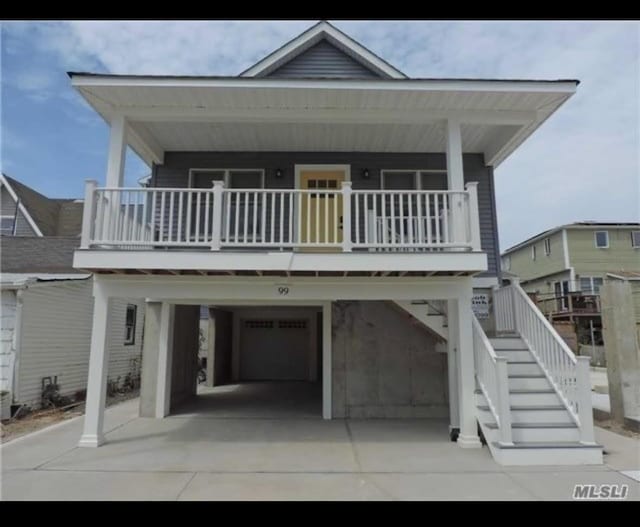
(326, 228)
(569, 305)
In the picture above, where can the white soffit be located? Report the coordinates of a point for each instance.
(263, 114)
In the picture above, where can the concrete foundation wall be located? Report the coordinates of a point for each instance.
(219, 371)
(383, 366)
(184, 369)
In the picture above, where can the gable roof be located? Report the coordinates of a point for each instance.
(575, 225)
(323, 31)
(47, 216)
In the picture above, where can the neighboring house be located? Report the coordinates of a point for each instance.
(564, 267)
(47, 305)
(339, 220)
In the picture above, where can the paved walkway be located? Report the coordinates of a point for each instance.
(192, 456)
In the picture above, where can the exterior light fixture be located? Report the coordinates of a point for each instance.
(278, 172)
(365, 173)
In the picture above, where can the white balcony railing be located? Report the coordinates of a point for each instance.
(341, 219)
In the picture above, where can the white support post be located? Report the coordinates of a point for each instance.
(455, 179)
(346, 216)
(218, 210)
(585, 408)
(117, 149)
(468, 437)
(326, 361)
(474, 216)
(165, 355)
(88, 212)
(504, 405)
(452, 367)
(93, 430)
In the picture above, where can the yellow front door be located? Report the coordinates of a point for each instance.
(321, 213)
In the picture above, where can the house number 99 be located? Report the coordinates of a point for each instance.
(283, 291)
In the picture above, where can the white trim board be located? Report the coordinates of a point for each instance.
(21, 206)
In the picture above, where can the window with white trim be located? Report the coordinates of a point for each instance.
(7, 224)
(602, 239)
(635, 239)
(533, 252)
(130, 324)
(506, 262)
(590, 285)
(398, 179)
(547, 246)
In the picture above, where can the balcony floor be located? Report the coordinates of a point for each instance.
(281, 263)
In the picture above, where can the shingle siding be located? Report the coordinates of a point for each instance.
(174, 173)
(326, 61)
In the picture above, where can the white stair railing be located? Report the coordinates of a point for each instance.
(568, 374)
(493, 379)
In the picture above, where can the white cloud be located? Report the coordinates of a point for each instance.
(582, 164)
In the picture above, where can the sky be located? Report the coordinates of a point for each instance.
(582, 164)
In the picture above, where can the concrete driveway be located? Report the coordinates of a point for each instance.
(200, 456)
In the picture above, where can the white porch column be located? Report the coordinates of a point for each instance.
(117, 149)
(326, 361)
(165, 353)
(468, 437)
(452, 366)
(455, 179)
(93, 431)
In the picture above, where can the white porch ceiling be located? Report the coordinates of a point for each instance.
(231, 114)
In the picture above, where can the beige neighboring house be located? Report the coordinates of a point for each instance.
(47, 305)
(564, 267)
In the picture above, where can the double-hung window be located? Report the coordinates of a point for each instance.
(602, 239)
(7, 224)
(130, 324)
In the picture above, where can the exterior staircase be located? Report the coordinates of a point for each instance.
(432, 314)
(542, 428)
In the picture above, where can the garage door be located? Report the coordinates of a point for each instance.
(274, 349)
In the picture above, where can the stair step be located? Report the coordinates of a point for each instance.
(523, 368)
(528, 382)
(508, 343)
(515, 354)
(534, 425)
(545, 444)
(548, 407)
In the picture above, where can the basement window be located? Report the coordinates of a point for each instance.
(130, 324)
(602, 239)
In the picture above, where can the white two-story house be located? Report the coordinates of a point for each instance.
(320, 203)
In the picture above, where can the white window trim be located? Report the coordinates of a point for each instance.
(227, 174)
(507, 262)
(417, 180)
(534, 252)
(131, 342)
(632, 239)
(13, 218)
(547, 246)
(595, 239)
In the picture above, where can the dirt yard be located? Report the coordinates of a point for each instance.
(607, 424)
(13, 428)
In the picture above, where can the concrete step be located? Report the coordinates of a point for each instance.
(509, 343)
(529, 367)
(534, 414)
(529, 382)
(515, 354)
(539, 432)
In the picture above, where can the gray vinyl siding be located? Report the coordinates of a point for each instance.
(174, 173)
(323, 60)
(8, 208)
(56, 338)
